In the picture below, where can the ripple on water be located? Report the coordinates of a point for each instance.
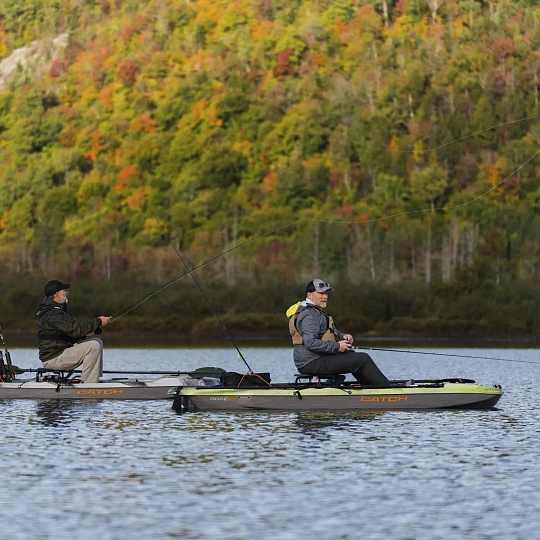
(128, 469)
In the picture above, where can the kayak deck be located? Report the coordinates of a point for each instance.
(438, 394)
(117, 389)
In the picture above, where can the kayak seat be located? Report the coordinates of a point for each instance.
(53, 375)
(320, 380)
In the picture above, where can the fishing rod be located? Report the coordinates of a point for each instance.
(136, 304)
(448, 354)
(4, 374)
(190, 272)
(199, 372)
(7, 357)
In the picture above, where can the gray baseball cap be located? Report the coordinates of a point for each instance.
(318, 285)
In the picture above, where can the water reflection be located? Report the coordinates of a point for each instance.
(320, 425)
(59, 412)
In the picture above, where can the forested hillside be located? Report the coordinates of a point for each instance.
(231, 118)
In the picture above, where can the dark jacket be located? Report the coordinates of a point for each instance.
(312, 324)
(58, 330)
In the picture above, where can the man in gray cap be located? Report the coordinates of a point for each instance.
(320, 348)
(64, 343)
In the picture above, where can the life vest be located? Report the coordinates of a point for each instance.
(329, 335)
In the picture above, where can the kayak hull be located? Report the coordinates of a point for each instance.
(116, 389)
(420, 397)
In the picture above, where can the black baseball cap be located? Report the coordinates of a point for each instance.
(318, 285)
(54, 286)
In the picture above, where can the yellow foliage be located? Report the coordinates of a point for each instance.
(394, 147)
(243, 147)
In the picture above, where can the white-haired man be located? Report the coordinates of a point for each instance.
(65, 343)
(320, 348)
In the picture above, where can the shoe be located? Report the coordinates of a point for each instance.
(337, 380)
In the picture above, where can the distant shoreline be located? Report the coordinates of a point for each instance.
(169, 340)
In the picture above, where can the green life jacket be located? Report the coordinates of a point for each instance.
(329, 335)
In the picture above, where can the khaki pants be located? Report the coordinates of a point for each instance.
(89, 353)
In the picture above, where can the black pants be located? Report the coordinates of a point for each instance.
(360, 364)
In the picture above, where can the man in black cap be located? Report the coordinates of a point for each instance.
(320, 348)
(64, 343)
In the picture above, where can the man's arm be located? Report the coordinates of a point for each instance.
(63, 322)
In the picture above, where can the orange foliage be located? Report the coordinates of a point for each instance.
(127, 72)
(128, 171)
(364, 218)
(136, 201)
(4, 220)
(269, 184)
(127, 32)
(143, 124)
(65, 98)
(97, 145)
(127, 176)
(340, 26)
(491, 173)
(106, 96)
(208, 113)
(503, 47)
(346, 212)
(319, 60)
(198, 108)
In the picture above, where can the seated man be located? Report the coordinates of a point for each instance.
(320, 348)
(63, 343)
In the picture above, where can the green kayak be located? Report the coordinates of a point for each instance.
(436, 394)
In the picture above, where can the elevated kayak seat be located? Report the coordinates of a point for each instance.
(320, 380)
(54, 375)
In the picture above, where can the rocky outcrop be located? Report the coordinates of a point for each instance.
(33, 60)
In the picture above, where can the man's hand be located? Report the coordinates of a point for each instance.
(105, 320)
(348, 338)
(344, 345)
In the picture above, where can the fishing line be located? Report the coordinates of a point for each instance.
(449, 354)
(190, 272)
(137, 303)
(452, 207)
(442, 145)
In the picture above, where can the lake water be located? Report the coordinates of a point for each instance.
(137, 470)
